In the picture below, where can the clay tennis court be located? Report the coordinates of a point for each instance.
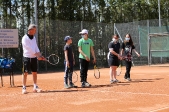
(147, 92)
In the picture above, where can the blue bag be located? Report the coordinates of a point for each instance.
(6, 63)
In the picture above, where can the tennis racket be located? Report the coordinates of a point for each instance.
(52, 59)
(96, 72)
(74, 77)
(119, 69)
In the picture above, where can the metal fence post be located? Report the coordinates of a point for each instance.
(114, 28)
(81, 25)
(139, 38)
(148, 41)
(45, 42)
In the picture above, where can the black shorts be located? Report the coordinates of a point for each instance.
(113, 62)
(29, 64)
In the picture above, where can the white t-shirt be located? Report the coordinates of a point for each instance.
(29, 46)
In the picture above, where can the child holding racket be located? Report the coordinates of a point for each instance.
(85, 46)
(127, 47)
(113, 57)
(69, 63)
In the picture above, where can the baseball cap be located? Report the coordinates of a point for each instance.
(31, 26)
(84, 31)
(67, 38)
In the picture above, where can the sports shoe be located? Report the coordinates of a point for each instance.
(83, 84)
(128, 79)
(117, 81)
(37, 90)
(114, 81)
(24, 90)
(66, 86)
(87, 84)
(71, 85)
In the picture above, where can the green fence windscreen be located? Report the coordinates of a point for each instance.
(159, 42)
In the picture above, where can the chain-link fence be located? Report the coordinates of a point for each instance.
(51, 35)
(149, 39)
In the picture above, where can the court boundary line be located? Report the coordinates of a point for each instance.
(159, 109)
(146, 94)
(167, 95)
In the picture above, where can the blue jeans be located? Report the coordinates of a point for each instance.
(68, 73)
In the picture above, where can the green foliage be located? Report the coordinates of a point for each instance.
(108, 11)
(20, 13)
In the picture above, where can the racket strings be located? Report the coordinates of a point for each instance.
(74, 77)
(53, 59)
(118, 70)
(96, 72)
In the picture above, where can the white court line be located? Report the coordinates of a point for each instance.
(133, 93)
(145, 94)
(159, 109)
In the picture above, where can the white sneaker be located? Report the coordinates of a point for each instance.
(24, 91)
(37, 90)
(128, 79)
(115, 81)
(87, 84)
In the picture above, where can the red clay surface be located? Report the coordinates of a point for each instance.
(147, 92)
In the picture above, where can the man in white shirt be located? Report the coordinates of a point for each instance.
(30, 55)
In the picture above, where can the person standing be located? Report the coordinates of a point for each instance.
(85, 46)
(31, 53)
(113, 57)
(127, 47)
(69, 63)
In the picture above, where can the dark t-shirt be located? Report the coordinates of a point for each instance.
(69, 52)
(116, 48)
(127, 48)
